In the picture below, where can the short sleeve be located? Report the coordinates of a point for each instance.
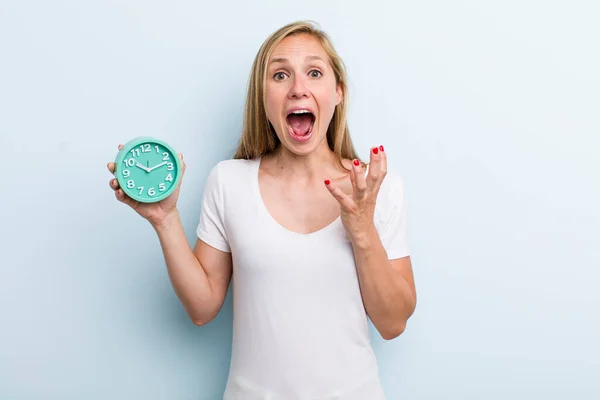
(211, 227)
(392, 217)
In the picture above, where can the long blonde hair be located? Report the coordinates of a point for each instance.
(258, 135)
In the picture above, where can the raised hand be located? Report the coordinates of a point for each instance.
(358, 209)
(155, 213)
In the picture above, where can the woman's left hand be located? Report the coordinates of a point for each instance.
(358, 209)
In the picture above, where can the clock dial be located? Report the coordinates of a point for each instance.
(148, 171)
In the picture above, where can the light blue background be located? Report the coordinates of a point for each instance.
(490, 110)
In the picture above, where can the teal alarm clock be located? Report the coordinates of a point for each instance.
(147, 169)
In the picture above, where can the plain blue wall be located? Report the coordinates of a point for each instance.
(488, 109)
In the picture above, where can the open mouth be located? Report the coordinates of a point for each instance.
(300, 124)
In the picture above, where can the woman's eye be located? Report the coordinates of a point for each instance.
(315, 73)
(279, 76)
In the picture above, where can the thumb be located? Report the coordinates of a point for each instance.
(183, 167)
(182, 164)
(344, 200)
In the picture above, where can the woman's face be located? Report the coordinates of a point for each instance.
(300, 93)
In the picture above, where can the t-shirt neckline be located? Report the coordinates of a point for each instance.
(263, 208)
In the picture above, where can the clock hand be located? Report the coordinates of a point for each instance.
(156, 166)
(137, 164)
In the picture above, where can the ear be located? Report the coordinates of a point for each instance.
(340, 94)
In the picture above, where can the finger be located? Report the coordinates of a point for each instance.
(377, 168)
(114, 184)
(120, 195)
(182, 163)
(357, 176)
(123, 198)
(183, 167)
(111, 165)
(345, 201)
(384, 165)
(383, 158)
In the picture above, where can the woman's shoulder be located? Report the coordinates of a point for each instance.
(232, 168)
(230, 174)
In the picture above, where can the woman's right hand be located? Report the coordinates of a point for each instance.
(155, 213)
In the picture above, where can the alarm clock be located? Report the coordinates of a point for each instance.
(147, 169)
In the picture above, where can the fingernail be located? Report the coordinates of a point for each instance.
(375, 150)
(381, 148)
(356, 162)
(327, 181)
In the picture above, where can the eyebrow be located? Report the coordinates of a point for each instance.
(284, 60)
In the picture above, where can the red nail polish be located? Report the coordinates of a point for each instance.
(356, 162)
(375, 150)
(381, 148)
(327, 181)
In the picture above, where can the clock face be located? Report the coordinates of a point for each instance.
(148, 171)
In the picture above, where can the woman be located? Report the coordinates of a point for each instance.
(314, 240)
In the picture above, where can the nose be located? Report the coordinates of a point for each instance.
(298, 90)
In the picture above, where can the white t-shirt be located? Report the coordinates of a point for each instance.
(300, 330)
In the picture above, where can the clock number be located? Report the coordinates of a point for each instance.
(157, 149)
(126, 173)
(130, 184)
(162, 187)
(170, 166)
(130, 162)
(141, 189)
(145, 148)
(135, 152)
(169, 178)
(151, 192)
(165, 156)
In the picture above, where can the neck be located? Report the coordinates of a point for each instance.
(305, 168)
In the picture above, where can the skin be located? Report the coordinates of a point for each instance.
(294, 182)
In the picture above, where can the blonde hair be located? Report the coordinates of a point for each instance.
(258, 135)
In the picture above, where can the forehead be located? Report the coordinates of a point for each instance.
(299, 46)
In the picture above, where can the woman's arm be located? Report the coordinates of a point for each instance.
(200, 277)
(387, 286)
